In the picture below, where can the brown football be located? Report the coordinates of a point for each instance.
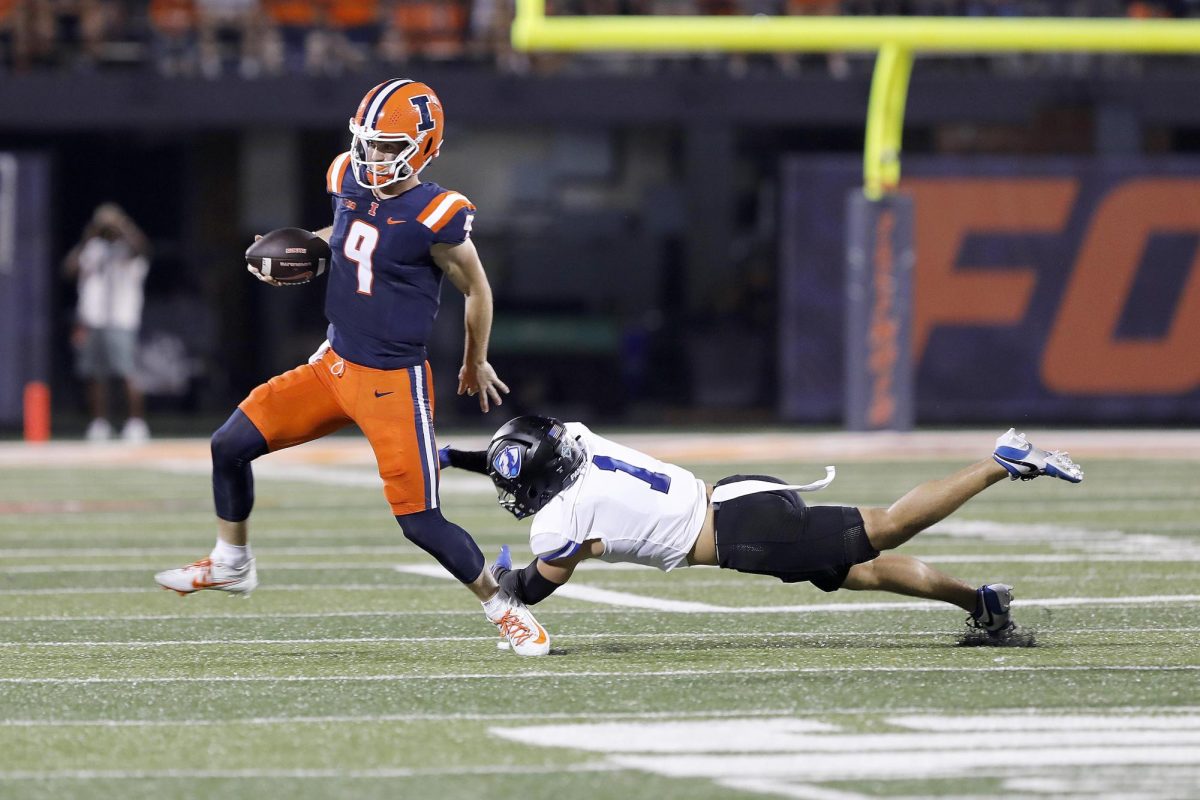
(289, 255)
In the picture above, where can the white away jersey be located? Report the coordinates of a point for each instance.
(644, 510)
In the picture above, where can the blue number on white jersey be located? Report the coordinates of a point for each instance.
(656, 480)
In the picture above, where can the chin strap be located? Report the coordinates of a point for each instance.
(732, 491)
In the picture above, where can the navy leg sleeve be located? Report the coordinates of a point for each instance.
(449, 544)
(234, 446)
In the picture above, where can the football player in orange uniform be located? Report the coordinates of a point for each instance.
(394, 238)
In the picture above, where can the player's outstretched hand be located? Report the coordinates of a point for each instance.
(482, 380)
(444, 457)
(255, 272)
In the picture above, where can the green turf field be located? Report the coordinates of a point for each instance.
(347, 676)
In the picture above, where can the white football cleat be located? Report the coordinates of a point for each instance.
(992, 602)
(136, 430)
(523, 633)
(1026, 462)
(205, 574)
(98, 430)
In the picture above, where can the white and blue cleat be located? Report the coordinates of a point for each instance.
(1026, 462)
(992, 602)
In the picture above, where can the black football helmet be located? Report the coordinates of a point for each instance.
(531, 460)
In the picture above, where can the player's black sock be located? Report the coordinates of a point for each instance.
(449, 544)
(234, 446)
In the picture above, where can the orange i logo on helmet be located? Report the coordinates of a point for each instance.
(396, 131)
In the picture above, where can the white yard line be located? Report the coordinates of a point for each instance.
(243, 774)
(358, 719)
(511, 676)
(1170, 717)
(193, 552)
(589, 566)
(319, 566)
(242, 616)
(698, 447)
(928, 605)
(630, 600)
(620, 602)
(224, 642)
(154, 589)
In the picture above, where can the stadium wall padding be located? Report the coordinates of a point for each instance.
(1045, 289)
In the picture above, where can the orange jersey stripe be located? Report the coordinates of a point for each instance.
(441, 210)
(337, 173)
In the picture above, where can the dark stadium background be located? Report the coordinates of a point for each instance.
(629, 206)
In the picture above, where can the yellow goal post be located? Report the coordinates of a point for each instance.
(894, 39)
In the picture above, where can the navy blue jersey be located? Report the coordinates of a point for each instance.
(384, 286)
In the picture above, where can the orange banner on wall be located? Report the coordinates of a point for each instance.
(1064, 289)
(1084, 353)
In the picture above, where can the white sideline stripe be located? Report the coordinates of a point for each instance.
(600, 566)
(591, 565)
(560, 636)
(193, 552)
(387, 772)
(275, 587)
(239, 616)
(1020, 603)
(588, 566)
(1059, 602)
(670, 673)
(627, 599)
(589, 594)
(356, 719)
(1171, 713)
(36, 569)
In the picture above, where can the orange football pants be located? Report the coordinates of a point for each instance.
(393, 408)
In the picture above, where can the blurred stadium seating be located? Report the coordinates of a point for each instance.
(271, 37)
(634, 210)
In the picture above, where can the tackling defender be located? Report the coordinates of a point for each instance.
(393, 239)
(594, 498)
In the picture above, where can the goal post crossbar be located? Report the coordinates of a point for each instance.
(895, 39)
